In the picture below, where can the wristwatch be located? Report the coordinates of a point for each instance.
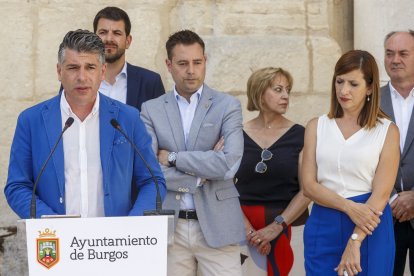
(172, 158)
(281, 221)
(354, 237)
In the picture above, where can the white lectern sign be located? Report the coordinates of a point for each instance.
(97, 246)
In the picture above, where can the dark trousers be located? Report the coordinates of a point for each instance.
(404, 241)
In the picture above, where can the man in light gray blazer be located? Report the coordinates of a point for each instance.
(397, 100)
(197, 133)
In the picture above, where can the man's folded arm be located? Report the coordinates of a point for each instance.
(218, 165)
(176, 179)
(179, 181)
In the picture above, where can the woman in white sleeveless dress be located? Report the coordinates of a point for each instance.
(350, 162)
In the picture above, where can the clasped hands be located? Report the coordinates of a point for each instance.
(403, 206)
(261, 238)
(364, 216)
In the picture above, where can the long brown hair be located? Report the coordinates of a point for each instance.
(364, 61)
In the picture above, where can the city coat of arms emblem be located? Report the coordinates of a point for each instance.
(47, 248)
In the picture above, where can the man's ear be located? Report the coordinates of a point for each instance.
(59, 71)
(103, 71)
(169, 64)
(128, 41)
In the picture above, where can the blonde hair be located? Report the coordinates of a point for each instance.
(259, 81)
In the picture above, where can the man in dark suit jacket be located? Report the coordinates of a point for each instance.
(397, 100)
(127, 83)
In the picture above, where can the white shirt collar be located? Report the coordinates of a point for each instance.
(123, 71)
(64, 105)
(395, 93)
(197, 94)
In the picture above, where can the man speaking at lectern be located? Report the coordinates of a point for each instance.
(90, 172)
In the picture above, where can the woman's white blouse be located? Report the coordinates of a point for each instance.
(347, 166)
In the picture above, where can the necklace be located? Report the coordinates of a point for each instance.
(268, 127)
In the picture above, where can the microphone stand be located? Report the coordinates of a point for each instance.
(68, 123)
(158, 204)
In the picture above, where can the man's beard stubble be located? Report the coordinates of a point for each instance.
(113, 57)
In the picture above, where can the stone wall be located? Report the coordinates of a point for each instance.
(305, 37)
(370, 31)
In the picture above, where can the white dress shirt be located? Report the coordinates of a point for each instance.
(187, 111)
(117, 91)
(402, 107)
(83, 171)
(348, 166)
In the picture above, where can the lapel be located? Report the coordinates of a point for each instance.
(201, 111)
(107, 111)
(410, 136)
(174, 118)
(52, 119)
(132, 84)
(386, 103)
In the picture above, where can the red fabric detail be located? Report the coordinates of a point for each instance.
(283, 253)
(255, 214)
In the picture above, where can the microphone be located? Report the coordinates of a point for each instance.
(158, 205)
(68, 123)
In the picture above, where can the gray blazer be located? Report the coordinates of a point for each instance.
(216, 201)
(405, 171)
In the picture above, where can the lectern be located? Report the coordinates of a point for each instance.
(97, 246)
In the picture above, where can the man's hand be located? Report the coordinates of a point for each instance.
(220, 144)
(163, 157)
(403, 206)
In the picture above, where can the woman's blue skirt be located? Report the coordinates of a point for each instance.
(327, 232)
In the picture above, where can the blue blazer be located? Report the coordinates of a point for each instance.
(142, 85)
(36, 133)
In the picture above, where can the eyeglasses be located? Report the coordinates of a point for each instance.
(261, 167)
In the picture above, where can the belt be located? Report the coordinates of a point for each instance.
(187, 214)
